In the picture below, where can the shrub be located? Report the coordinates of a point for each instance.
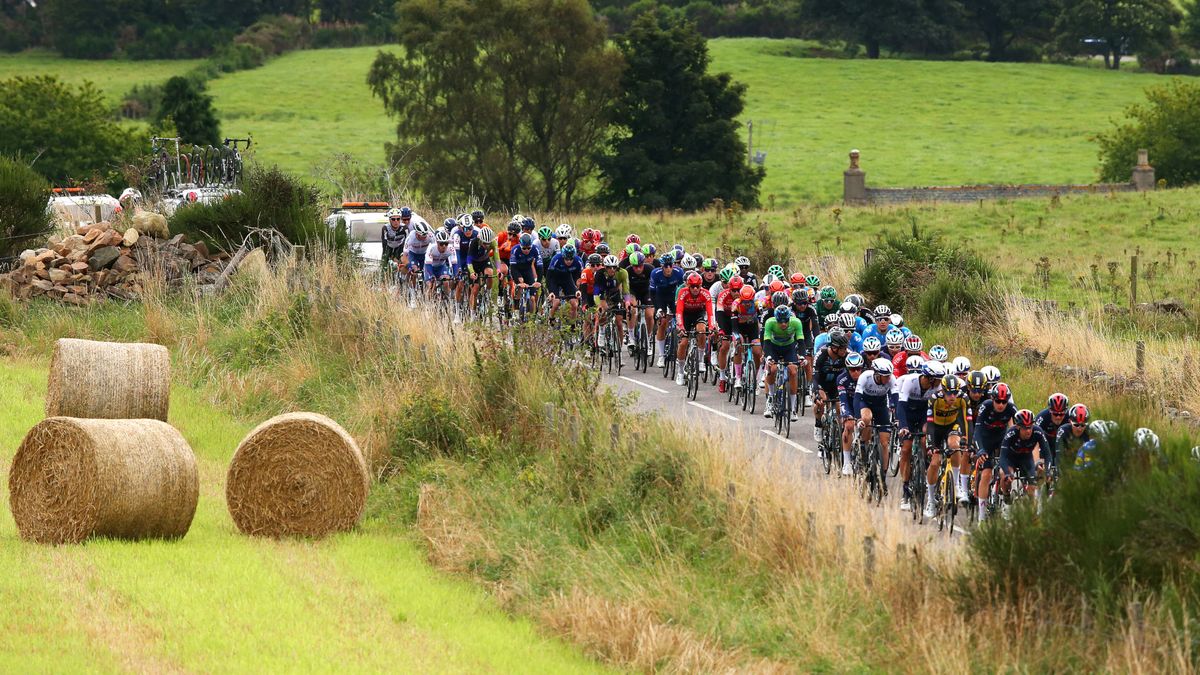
(271, 198)
(949, 297)
(23, 215)
(1166, 126)
(428, 428)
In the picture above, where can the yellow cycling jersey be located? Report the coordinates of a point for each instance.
(944, 413)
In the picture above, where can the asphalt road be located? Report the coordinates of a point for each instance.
(713, 413)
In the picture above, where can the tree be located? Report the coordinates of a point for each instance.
(67, 132)
(186, 104)
(1118, 27)
(1003, 22)
(23, 215)
(924, 26)
(505, 100)
(1168, 125)
(1189, 32)
(678, 144)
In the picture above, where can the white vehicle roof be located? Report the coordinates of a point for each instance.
(75, 208)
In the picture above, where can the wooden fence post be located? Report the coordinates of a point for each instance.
(868, 256)
(868, 559)
(1141, 361)
(616, 434)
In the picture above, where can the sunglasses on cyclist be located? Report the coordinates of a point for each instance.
(1077, 425)
(394, 218)
(443, 243)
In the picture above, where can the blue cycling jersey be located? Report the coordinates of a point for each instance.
(660, 281)
(522, 258)
(558, 263)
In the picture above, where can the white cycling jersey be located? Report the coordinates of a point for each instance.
(437, 256)
(715, 292)
(908, 387)
(415, 245)
(867, 386)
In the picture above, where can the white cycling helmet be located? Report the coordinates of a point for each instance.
(961, 364)
(1147, 439)
(848, 308)
(939, 353)
(934, 369)
(465, 222)
(611, 261)
(441, 236)
(688, 262)
(563, 230)
(517, 219)
(895, 338)
(897, 320)
(393, 213)
(422, 229)
(741, 261)
(992, 373)
(130, 194)
(486, 236)
(871, 344)
(914, 363)
(848, 321)
(882, 367)
(1098, 430)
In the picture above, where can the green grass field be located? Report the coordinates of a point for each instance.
(916, 122)
(113, 77)
(217, 601)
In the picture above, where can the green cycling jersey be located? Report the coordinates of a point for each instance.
(783, 334)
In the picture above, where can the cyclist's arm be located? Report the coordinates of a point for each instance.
(679, 310)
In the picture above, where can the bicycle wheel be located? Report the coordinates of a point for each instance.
(917, 481)
(801, 388)
(616, 347)
(949, 502)
(894, 456)
(750, 384)
(827, 448)
(691, 372)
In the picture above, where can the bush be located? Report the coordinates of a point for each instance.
(271, 198)
(429, 427)
(921, 271)
(1166, 125)
(23, 215)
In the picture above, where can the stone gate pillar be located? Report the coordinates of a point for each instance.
(1143, 173)
(854, 182)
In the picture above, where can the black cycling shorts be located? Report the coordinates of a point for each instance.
(693, 317)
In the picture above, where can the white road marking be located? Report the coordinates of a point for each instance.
(643, 384)
(794, 444)
(715, 412)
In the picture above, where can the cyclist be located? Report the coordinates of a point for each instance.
(898, 323)
(505, 241)
(523, 264)
(483, 260)
(1024, 447)
(440, 260)
(872, 402)
(1072, 435)
(1050, 419)
(724, 295)
(588, 239)
(827, 304)
(393, 236)
(415, 246)
(743, 265)
(546, 247)
(802, 309)
(693, 312)
(883, 323)
(665, 282)
(871, 349)
(782, 335)
(847, 381)
(477, 219)
(991, 423)
(961, 367)
(562, 275)
(461, 237)
(744, 320)
(939, 353)
(610, 288)
(912, 347)
(638, 273)
(849, 324)
(1098, 431)
(948, 420)
(914, 391)
(893, 344)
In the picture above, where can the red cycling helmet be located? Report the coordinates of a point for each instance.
(913, 344)
(588, 234)
(1057, 403)
(633, 239)
(694, 280)
(796, 279)
(1023, 418)
(776, 286)
(1078, 414)
(597, 235)
(736, 283)
(747, 293)
(1001, 393)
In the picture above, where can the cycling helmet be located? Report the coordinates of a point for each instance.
(776, 271)
(1078, 414)
(516, 219)
(741, 261)
(847, 320)
(603, 249)
(776, 286)
(709, 265)
(951, 384)
(838, 339)
(854, 360)
(882, 367)
(914, 363)
(857, 299)
(1057, 403)
(422, 230)
(393, 213)
(666, 259)
(527, 224)
(894, 338)
(783, 314)
(831, 320)
(441, 237)
(611, 261)
(897, 320)
(977, 381)
(882, 311)
(800, 296)
(1023, 418)
(449, 223)
(689, 263)
(477, 216)
(526, 240)
(698, 256)
(796, 279)
(961, 365)
(767, 280)
(568, 251)
(405, 212)
(545, 233)
(779, 298)
(130, 194)
(486, 235)
(563, 230)
(649, 250)
(992, 373)
(598, 236)
(633, 239)
(588, 234)
(912, 343)
(848, 308)
(746, 292)
(812, 280)
(939, 353)
(1001, 393)
(736, 284)
(637, 258)
(726, 274)
(1146, 439)
(514, 226)
(630, 249)
(829, 293)
(871, 344)
(1098, 430)
(694, 280)
(934, 370)
(595, 260)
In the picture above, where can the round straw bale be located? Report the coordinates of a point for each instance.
(298, 474)
(109, 380)
(75, 478)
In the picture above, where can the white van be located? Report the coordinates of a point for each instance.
(71, 207)
(363, 223)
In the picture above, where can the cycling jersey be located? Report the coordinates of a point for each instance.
(1048, 425)
(825, 308)
(1014, 443)
(639, 282)
(867, 387)
(436, 255)
(944, 413)
(519, 256)
(414, 244)
(725, 302)
(546, 251)
(845, 384)
(900, 362)
(1083, 458)
(1067, 445)
(481, 255)
(505, 244)
(873, 331)
(615, 285)
(692, 304)
(912, 401)
(560, 265)
(461, 240)
(785, 334)
(808, 319)
(393, 238)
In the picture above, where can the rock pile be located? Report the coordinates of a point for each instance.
(99, 262)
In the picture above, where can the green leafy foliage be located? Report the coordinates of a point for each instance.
(23, 215)
(1122, 26)
(68, 130)
(428, 428)
(271, 198)
(185, 103)
(1167, 125)
(677, 144)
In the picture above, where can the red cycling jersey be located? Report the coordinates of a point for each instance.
(725, 300)
(689, 302)
(900, 363)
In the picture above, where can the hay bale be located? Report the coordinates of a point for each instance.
(109, 380)
(298, 474)
(76, 478)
